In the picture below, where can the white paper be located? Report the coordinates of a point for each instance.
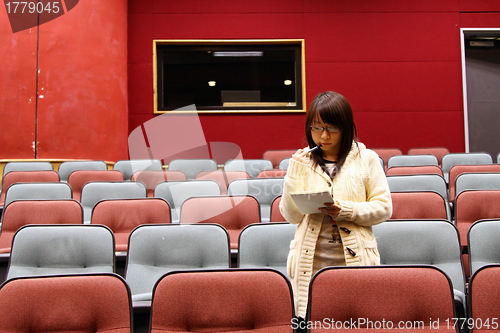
(309, 203)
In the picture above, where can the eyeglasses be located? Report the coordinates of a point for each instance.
(319, 129)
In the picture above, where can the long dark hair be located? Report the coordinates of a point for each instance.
(332, 108)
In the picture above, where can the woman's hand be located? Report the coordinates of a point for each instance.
(331, 209)
(301, 156)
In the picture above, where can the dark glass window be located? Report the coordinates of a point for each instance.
(229, 77)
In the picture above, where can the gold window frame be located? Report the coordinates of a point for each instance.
(209, 42)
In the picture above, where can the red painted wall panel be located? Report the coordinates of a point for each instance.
(17, 90)
(386, 6)
(479, 5)
(83, 82)
(480, 20)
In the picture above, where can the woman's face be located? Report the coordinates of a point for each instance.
(328, 135)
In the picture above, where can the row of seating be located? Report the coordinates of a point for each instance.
(416, 297)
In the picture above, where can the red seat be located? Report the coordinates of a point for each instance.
(222, 177)
(277, 155)
(439, 152)
(276, 215)
(418, 205)
(222, 301)
(77, 179)
(484, 293)
(124, 215)
(151, 178)
(457, 170)
(414, 170)
(13, 177)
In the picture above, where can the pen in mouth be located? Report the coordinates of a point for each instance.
(313, 149)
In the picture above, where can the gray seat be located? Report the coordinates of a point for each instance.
(265, 245)
(252, 167)
(176, 192)
(449, 160)
(27, 166)
(61, 249)
(284, 163)
(477, 181)
(265, 190)
(66, 168)
(412, 160)
(420, 183)
(411, 242)
(155, 250)
(129, 167)
(93, 192)
(484, 244)
(192, 167)
(35, 191)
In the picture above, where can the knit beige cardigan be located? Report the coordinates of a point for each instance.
(361, 189)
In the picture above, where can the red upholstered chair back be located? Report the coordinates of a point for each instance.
(484, 293)
(124, 215)
(86, 303)
(222, 177)
(22, 212)
(232, 212)
(414, 170)
(276, 156)
(457, 170)
(392, 294)
(275, 173)
(385, 153)
(13, 177)
(275, 211)
(439, 152)
(77, 179)
(222, 301)
(418, 205)
(151, 178)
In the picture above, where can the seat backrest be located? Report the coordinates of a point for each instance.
(157, 249)
(471, 206)
(61, 249)
(450, 160)
(223, 178)
(439, 152)
(418, 183)
(412, 160)
(483, 297)
(277, 155)
(484, 247)
(386, 153)
(414, 170)
(276, 215)
(457, 170)
(93, 192)
(80, 303)
(430, 242)
(192, 167)
(251, 166)
(265, 190)
(477, 181)
(67, 167)
(240, 300)
(419, 205)
(78, 178)
(151, 178)
(390, 294)
(265, 245)
(176, 192)
(27, 166)
(13, 177)
(36, 191)
(275, 173)
(122, 216)
(129, 167)
(232, 212)
(23, 212)
(284, 163)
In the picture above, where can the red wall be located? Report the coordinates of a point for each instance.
(397, 61)
(77, 64)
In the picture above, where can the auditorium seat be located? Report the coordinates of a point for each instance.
(484, 293)
(275, 173)
(484, 244)
(153, 178)
(277, 155)
(61, 249)
(477, 181)
(222, 301)
(23, 212)
(67, 167)
(78, 304)
(457, 170)
(38, 191)
(223, 178)
(452, 159)
(251, 166)
(27, 166)
(122, 216)
(157, 249)
(414, 170)
(77, 179)
(386, 153)
(439, 152)
(412, 160)
(232, 212)
(192, 167)
(276, 215)
(419, 296)
(419, 205)
(13, 177)
(129, 167)
(265, 245)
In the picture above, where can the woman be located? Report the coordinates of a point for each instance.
(340, 233)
